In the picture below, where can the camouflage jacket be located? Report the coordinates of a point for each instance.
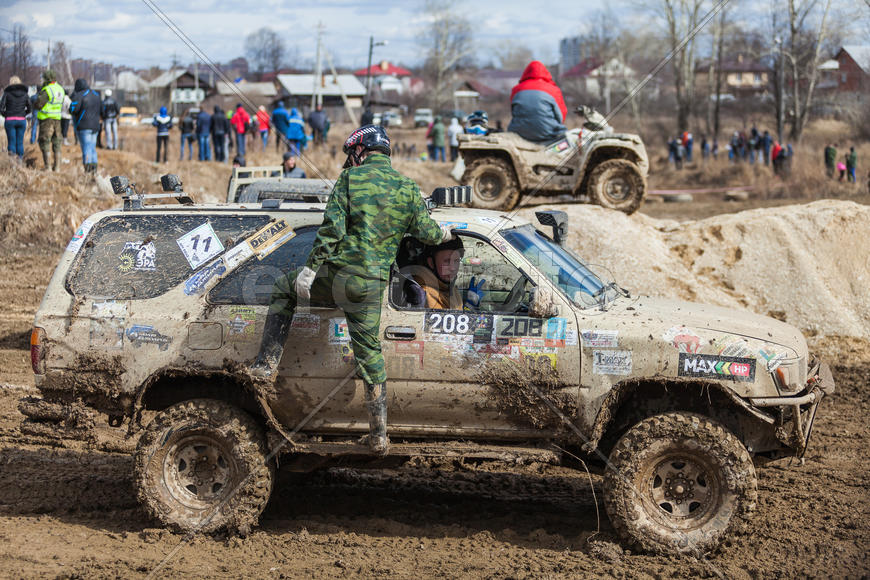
(369, 211)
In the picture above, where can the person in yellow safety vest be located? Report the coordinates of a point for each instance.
(48, 107)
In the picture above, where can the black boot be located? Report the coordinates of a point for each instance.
(376, 403)
(272, 347)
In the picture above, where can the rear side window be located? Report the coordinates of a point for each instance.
(141, 256)
(252, 282)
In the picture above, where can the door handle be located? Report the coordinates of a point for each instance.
(401, 332)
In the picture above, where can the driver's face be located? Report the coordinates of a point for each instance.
(447, 264)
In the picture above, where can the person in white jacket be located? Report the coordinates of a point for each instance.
(65, 118)
(454, 130)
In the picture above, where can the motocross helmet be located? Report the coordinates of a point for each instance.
(371, 137)
(478, 118)
(430, 251)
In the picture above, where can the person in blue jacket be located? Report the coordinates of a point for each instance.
(163, 122)
(85, 109)
(296, 132)
(203, 130)
(281, 121)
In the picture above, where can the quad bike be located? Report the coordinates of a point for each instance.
(593, 164)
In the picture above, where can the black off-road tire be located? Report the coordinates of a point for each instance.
(679, 483)
(201, 466)
(495, 183)
(617, 184)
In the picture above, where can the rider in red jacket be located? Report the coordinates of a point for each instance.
(537, 108)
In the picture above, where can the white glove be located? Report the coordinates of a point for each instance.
(303, 283)
(446, 234)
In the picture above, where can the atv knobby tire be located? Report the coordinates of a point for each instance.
(495, 184)
(617, 184)
(679, 483)
(201, 466)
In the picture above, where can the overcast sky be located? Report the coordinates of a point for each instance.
(128, 32)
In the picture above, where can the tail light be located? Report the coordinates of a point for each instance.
(37, 350)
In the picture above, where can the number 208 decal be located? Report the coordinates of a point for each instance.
(510, 326)
(447, 323)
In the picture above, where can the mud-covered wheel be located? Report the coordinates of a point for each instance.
(679, 483)
(617, 184)
(495, 183)
(201, 466)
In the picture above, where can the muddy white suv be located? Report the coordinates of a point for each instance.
(154, 312)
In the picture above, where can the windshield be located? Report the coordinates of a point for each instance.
(558, 264)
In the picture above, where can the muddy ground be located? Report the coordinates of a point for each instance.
(71, 511)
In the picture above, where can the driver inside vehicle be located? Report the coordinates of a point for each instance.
(438, 278)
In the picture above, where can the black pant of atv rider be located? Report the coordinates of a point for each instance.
(360, 299)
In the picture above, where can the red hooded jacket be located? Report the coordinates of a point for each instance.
(536, 77)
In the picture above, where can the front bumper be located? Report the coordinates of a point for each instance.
(798, 414)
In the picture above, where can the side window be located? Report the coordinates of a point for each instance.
(252, 282)
(139, 256)
(506, 289)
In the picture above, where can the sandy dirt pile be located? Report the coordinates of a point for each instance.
(806, 264)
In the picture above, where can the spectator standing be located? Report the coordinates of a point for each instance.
(203, 130)
(776, 157)
(220, 129)
(367, 117)
(85, 109)
(318, 121)
(187, 126)
(766, 142)
(438, 140)
(295, 132)
(830, 159)
(687, 143)
(291, 170)
(754, 142)
(263, 125)
(109, 113)
(453, 133)
(281, 121)
(430, 146)
(841, 167)
(48, 105)
(15, 106)
(705, 148)
(851, 165)
(715, 148)
(163, 122)
(65, 119)
(239, 121)
(33, 117)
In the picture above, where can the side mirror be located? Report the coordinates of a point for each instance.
(170, 183)
(558, 220)
(541, 303)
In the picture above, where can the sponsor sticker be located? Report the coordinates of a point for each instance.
(773, 358)
(79, 236)
(197, 283)
(600, 338)
(236, 255)
(455, 225)
(556, 331)
(684, 339)
(347, 354)
(305, 323)
(200, 245)
(338, 333)
(611, 362)
(137, 256)
(270, 238)
(488, 220)
(571, 337)
(242, 322)
(734, 346)
(140, 334)
(412, 350)
(708, 366)
(507, 326)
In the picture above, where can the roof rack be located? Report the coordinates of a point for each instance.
(134, 199)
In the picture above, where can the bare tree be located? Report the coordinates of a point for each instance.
(513, 56)
(21, 58)
(447, 42)
(804, 46)
(265, 49)
(603, 38)
(60, 63)
(681, 17)
(714, 73)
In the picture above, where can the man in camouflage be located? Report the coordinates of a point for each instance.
(48, 107)
(371, 208)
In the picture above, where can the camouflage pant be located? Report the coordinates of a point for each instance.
(49, 132)
(359, 298)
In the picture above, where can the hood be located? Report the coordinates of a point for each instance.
(16, 88)
(162, 110)
(217, 110)
(294, 112)
(280, 105)
(81, 85)
(536, 70)
(717, 319)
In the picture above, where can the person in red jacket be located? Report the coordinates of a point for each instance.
(538, 109)
(263, 125)
(239, 121)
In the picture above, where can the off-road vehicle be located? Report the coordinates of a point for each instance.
(155, 311)
(592, 163)
(251, 184)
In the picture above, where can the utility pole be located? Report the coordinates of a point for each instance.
(316, 96)
(780, 113)
(48, 56)
(372, 45)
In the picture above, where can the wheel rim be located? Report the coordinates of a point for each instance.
(617, 188)
(199, 471)
(682, 490)
(489, 186)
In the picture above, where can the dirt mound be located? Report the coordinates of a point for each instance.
(808, 265)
